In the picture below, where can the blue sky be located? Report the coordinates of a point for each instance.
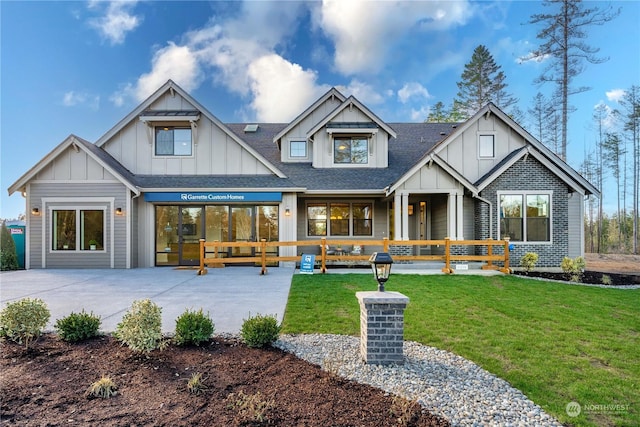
(79, 67)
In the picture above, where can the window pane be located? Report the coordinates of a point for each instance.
(182, 142)
(486, 146)
(339, 219)
(511, 217)
(317, 219)
(359, 151)
(64, 230)
(538, 229)
(164, 142)
(362, 219)
(298, 149)
(92, 229)
(342, 150)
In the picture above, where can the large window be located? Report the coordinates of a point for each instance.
(173, 141)
(351, 150)
(78, 229)
(525, 217)
(343, 219)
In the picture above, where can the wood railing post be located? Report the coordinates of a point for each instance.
(202, 270)
(385, 244)
(489, 265)
(263, 253)
(323, 255)
(447, 256)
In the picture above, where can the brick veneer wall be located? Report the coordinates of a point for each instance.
(528, 174)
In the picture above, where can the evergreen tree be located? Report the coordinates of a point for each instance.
(482, 81)
(8, 254)
(562, 36)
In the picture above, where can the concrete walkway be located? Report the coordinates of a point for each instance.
(230, 294)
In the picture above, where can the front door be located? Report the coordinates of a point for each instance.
(190, 231)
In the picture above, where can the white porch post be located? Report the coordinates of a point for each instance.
(405, 216)
(451, 215)
(397, 219)
(460, 216)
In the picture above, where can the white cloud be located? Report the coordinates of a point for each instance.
(174, 62)
(117, 21)
(364, 92)
(615, 95)
(364, 32)
(609, 119)
(281, 89)
(420, 115)
(73, 98)
(412, 90)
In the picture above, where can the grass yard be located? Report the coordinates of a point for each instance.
(557, 343)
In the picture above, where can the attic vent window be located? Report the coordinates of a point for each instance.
(250, 128)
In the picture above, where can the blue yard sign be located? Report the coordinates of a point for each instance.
(306, 263)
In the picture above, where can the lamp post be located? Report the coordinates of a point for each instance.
(381, 266)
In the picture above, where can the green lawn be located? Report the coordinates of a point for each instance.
(557, 343)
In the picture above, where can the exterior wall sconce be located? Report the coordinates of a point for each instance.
(287, 212)
(119, 211)
(381, 266)
(35, 211)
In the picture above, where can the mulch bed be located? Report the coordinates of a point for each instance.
(588, 277)
(46, 385)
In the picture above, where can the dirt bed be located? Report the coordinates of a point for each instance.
(47, 386)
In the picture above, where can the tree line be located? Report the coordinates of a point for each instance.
(562, 35)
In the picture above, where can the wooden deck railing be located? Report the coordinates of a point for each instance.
(214, 258)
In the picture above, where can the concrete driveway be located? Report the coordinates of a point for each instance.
(229, 294)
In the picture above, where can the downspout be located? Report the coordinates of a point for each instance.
(482, 199)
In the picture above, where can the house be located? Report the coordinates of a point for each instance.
(170, 173)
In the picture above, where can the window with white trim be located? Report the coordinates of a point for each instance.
(486, 146)
(173, 141)
(339, 219)
(525, 217)
(78, 229)
(351, 150)
(298, 149)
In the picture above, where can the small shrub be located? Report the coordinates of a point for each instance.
(404, 411)
(250, 407)
(259, 331)
(528, 261)
(606, 280)
(193, 327)
(78, 326)
(104, 388)
(8, 253)
(573, 268)
(23, 321)
(141, 327)
(196, 385)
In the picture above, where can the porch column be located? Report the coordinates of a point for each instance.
(397, 218)
(460, 216)
(405, 216)
(451, 215)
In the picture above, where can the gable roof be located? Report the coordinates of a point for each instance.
(349, 102)
(103, 158)
(170, 85)
(551, 160)
(333, 92)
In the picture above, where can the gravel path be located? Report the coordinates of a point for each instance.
(443, 383)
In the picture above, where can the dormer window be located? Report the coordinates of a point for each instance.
(350, 150)
(298, 149)
(173, 141)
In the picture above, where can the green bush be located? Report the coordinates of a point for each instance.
(259, 331)
(141, 327)
(78, 326)
(574, 268)
(528, 261)
(8, 254)
(23, 321)
(193, 327)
